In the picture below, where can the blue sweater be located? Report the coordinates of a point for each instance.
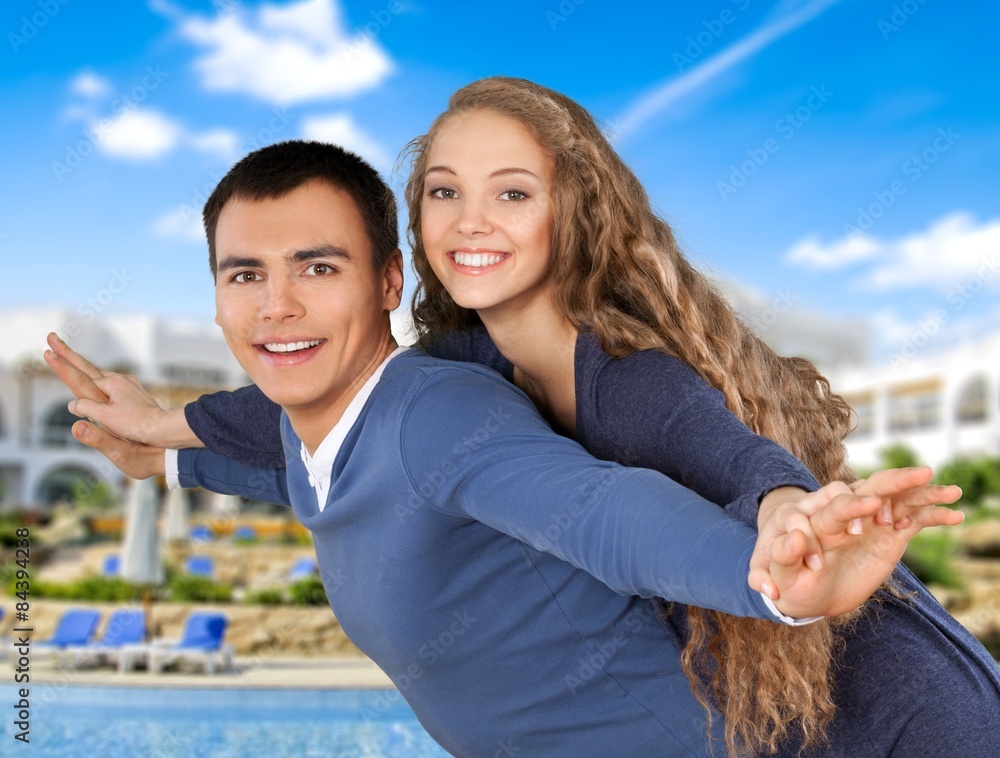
(499, 574)
(652, 410)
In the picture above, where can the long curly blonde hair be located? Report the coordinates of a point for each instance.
(617, 270)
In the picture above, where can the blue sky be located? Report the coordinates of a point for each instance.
(844, 152)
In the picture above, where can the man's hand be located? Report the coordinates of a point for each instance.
(857, 551)
(117, 402)
(131, 458)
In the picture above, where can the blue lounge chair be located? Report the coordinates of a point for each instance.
(303, 568)
(74, 628)
(201, 533)
(112, 565)
(124, 627)
(244, 532)
(200, 565)
(201, 640)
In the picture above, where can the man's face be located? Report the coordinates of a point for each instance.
(299, 302)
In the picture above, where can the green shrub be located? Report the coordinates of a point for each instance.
(978, 477)
(308, 591)
(185, 588)
(898, 455)
(99, 497)
(110, 589)
(930, 556)
(265, 597)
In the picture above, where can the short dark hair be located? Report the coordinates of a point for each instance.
(276, 170)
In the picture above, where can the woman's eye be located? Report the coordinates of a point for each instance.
(443, 193)
(513, 195)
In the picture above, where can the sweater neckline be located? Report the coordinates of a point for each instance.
(588, 360)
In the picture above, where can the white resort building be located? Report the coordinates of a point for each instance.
(40, 462)
(943, 404)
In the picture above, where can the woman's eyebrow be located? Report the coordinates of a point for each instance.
(494, 174)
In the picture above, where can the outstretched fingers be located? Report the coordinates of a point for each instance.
(890, 482)
(844, 513)
(76, 372)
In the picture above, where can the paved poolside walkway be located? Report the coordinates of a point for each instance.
(250, 672)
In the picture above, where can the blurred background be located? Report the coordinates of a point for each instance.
(830, 163)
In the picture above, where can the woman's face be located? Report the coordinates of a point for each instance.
(487, 212)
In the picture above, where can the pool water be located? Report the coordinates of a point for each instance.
(133, 721)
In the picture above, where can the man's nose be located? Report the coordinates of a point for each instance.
(280, 300)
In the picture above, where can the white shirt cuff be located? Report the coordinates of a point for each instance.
(781, 616)
(170, 469)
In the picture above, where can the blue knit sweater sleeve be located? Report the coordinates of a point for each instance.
(653, 410)
(198, 467)
(492, 459)
(243, 425)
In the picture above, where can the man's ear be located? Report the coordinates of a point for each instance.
(392, 279)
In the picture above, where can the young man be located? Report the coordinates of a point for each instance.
(493, 569)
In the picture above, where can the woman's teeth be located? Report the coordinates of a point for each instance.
(477, 259)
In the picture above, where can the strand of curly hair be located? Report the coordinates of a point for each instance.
(617, 270)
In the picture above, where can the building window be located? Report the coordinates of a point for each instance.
(65, 484)
(973, 402)
(915, 407)
(193, 376)
(56, 431)
(864, 414)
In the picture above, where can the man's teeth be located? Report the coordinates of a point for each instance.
(289, 347)
(477, 259)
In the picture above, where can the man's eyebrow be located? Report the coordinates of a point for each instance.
(498, 172)
(299, 256)
(323, 251)
(240, 261)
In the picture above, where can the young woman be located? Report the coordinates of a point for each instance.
(540, 256)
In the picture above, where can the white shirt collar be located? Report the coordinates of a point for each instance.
(320, 465)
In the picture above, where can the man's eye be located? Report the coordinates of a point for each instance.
(320, 269)
(245, 277)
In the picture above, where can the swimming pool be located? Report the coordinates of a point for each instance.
(168, 723)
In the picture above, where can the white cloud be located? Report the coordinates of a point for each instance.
(89, 84)
(951, 250)
(673, 89)
(810, 251)
(283, 54)
(340, 129)
(221, 141)
(139, 134)
(183, 222)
